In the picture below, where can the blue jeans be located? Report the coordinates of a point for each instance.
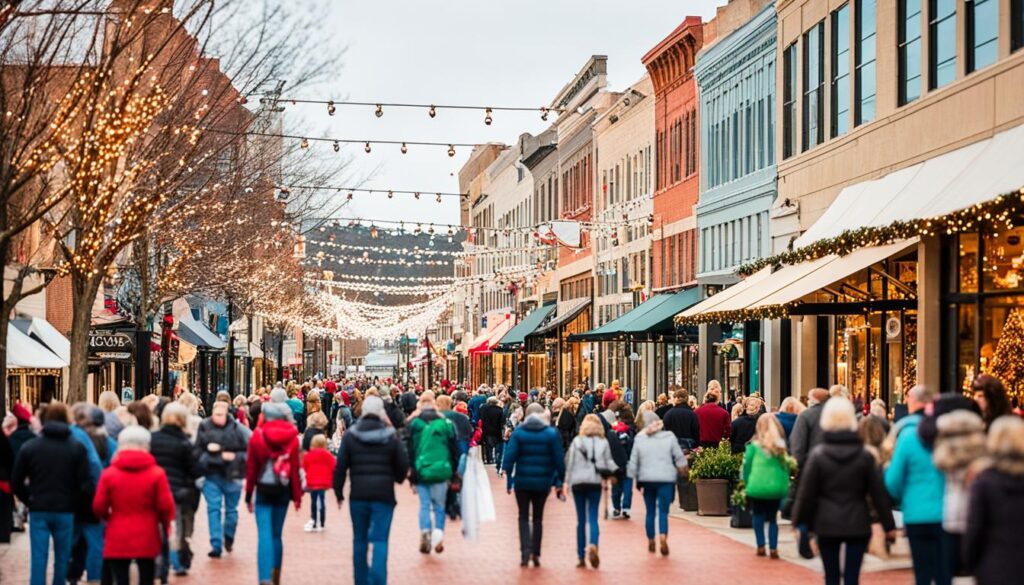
(931, 552)
(269, 548)
(371, 524)
(499, 454)
(220, 492)
(762, 512)
(622, 495)
(657, 499)
(316, 504)
(432, 495)
(92, 534)
(588, 502)
(42, 526)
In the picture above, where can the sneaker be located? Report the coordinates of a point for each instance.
(625, 514)
(425, 542)
(437, 540)
(181, 572)
(616, 514)
(214, 554)
(318, 528)
(229, 543)
(310, 526)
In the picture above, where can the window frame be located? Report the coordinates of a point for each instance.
(834, 78)
(817, 91)
(859, 65)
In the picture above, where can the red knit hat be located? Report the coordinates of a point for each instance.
(21, 413)
(609, 397)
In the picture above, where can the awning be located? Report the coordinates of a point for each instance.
(198, 334)
(23, 352)
(768, 294)
(570, 311)
(947, 183)
(647, 321)
(516, 336)
(491, 338)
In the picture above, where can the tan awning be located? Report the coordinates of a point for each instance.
(711, 303)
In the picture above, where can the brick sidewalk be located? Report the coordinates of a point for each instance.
(699, 555)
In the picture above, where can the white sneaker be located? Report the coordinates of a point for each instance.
(437, 540)
(318, 528)
(310, 526)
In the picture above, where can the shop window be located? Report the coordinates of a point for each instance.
(814, 81)
(909, 51)
(982, 33)
(864, 54)
(941, 43)
(1016, 24)
(840, 82)
(789, 100)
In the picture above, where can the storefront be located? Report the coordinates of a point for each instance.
(34, 371)
(526, 370)
(565, 362)
(481, 353)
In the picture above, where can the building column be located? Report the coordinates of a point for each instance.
(772, 362)
(805, 350)
(929, 313)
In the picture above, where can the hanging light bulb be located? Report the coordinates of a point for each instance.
(350, 195)
(451, 150)
(367, 148)
(380, 111)
(488, 117)
(373, 231)
(433, 111)
(450, 233)
(337, 146)
(391, 194)
(438, 197)
(405, 148)
(330, 108)
(544, 114)
(305, 144)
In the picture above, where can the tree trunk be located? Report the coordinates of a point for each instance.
(5, 318)
(83, 295)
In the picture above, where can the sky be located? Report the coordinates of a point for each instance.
(472, 52)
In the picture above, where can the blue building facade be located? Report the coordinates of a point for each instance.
(736, 83)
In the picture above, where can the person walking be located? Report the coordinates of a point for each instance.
(373, 456)
(682, 421)
(712, 420)
(836, 486)
(766, 477)
(221, 443)
(996, 507)
(318, 463)
(492, 419)
(744, 427)
(588, 463)
(917, 485)
(135, 500)
(435, 458)
(51, 475)
(624, 430)
(87, 550)
(655, 463)
(316, 424)
(272, 474)
(534, 463)
(564, 421)
(788, 411)
(806, 435)
(173, 452)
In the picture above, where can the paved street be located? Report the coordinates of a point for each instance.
(699, 555)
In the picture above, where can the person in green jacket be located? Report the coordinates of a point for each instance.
(766, 476)
(435, 455)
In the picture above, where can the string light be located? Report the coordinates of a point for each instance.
(330, 108)
(488, 117)
(451, 150)
(433, 111)
(380, 111)
(405, 148)
(416, 194)
(366, 148)
(337, 146)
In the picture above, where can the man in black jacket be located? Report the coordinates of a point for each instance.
(492, 428)
(682, 421)
(371, 453)
(172, 450)
(221, 445)
(51, 474)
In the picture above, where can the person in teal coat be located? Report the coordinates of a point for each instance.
(918, 486)
(766, 477)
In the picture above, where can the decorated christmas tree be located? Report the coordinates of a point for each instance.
(1008, 360)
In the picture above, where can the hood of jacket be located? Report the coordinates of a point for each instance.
(279, 434)
(534, 423)
(57, 430)
(133, 460)
(371, 430)
(842, 446)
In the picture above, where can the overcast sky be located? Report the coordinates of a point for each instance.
(473, 52)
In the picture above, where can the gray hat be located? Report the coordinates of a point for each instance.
(275, 411)
(278, 395)
(373, 405)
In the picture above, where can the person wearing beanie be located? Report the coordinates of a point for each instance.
(609, 396)
(372, 455)
(23, 432)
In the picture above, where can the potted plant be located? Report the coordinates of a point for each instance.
(713, 469)
(741, 517)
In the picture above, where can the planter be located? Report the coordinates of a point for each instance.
(688, 496)
(712, 497)
(741, 518)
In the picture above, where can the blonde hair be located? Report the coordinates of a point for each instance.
(150, 400)
(372, 391)
(737, 410)
(318, 442)
(317, 420)
(174, 414)
(591, 427)
(573, 404)
(752, 405)
(443, 402)
(1006, 444)
(646, 406)
(239, 401)
(189, 401)
(108, 401)
(838, 415)
(839, 391)
(769, 435)
(792, 406)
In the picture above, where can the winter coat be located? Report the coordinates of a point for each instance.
(616, 448)
(683, 423)
(231, 437)
(835, 485)
(91, 455)
(587, 406)
(51, 472)
(307, 437)
(344, 412)
(586, 456)
(742, 431)
(395, 414)
(625, 431)
(463, 428)
(534, 459)
(173, 453)
(806, 434)
(787, 420)
(912, 478)
(20, 436)
(713, 422)
(474, 405)
(766, 476)
(995, 515)
(134, 498)
(429, 454)
(319, 467)
(656, 457)
(493, 419)
(274, 440)
(565, 423)
(372, 454)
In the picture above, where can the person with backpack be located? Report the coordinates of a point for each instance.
(374, 458)
(766, 477)
(272, 473)
(221, 449)
(435, 457)
(588, 464)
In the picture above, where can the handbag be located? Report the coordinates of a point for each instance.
(603, 471)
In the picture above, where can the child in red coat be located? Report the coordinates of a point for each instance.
(318, 464)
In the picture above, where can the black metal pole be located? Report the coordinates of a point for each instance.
(430, 364)
(231, 349)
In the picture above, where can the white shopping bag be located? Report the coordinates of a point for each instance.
(477, 500)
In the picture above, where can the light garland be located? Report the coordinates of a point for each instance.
(304, 141)
(390, 193)
(768, 312)
(378, 107)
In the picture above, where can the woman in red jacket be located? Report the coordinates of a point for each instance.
(272, 472)
(134, 498)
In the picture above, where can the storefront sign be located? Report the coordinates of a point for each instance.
(111, 346)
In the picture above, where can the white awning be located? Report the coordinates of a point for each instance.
(714, 301)
(51, 338)
(950, 182)
(25, 352)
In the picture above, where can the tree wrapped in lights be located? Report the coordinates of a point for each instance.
(1008, 359)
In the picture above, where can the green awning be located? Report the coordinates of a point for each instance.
(516, 336)
(648, 321)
